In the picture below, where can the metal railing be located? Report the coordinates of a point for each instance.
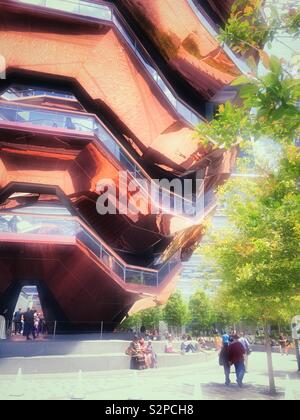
(109, 13)
(80, 122)
(53, 226)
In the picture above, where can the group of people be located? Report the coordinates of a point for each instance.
(235, 351)
(29, 323)
(142, 354)
(188, 345)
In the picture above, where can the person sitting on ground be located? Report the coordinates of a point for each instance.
(134, 350)
(169, 344)
(201, 344)
(187, 345)
(143, 347)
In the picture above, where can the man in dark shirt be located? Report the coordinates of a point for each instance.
(236, 354)
(29, 323)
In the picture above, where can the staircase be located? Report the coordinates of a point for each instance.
(109, 227)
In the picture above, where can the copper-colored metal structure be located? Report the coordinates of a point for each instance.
(83, 100)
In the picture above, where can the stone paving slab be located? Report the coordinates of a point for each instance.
(198, 382)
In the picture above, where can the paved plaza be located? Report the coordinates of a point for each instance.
(194, 382)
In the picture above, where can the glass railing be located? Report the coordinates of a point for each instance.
(194, 209)
(16, 92)
(79, 122)
(72, 227)
(109, 13)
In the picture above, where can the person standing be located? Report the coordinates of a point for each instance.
(236, 354)
(217, 342)
(245, 343)
(2, 328)
(225, 338)
(29, 324)
(36, 320)
(284, 345)
(224, 361)
(17, 322)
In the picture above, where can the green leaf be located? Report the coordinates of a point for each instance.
(246, 92)
(275, 65)
(241, 80)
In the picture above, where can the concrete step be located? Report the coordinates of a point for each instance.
(61, 348)
(70, 347)
(92, 362)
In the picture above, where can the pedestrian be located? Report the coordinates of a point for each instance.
(29, 324)
(36, 324)
(217, 342)
(245, 343)
(2, 328)
(236, 354)
(224, 361)
(284, 345)
(17, 321)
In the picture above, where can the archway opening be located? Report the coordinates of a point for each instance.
(29, 307)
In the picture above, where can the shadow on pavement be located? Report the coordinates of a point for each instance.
(217, 391)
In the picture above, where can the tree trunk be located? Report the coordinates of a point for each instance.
(270, 362)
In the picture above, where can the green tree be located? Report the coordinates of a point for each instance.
(259, 255)
(176, 313)
(248, 29)
(201, 311)
(274, 97)
(132, 321)
(268, 104)
(149, 318)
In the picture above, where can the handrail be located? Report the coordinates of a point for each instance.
(102, 11)
(74, 226)
(106, 138)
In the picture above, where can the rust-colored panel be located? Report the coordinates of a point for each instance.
(185, 43)
(84, 291)
(89, 57)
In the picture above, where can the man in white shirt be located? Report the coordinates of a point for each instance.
(2, 328)
(245, 343)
